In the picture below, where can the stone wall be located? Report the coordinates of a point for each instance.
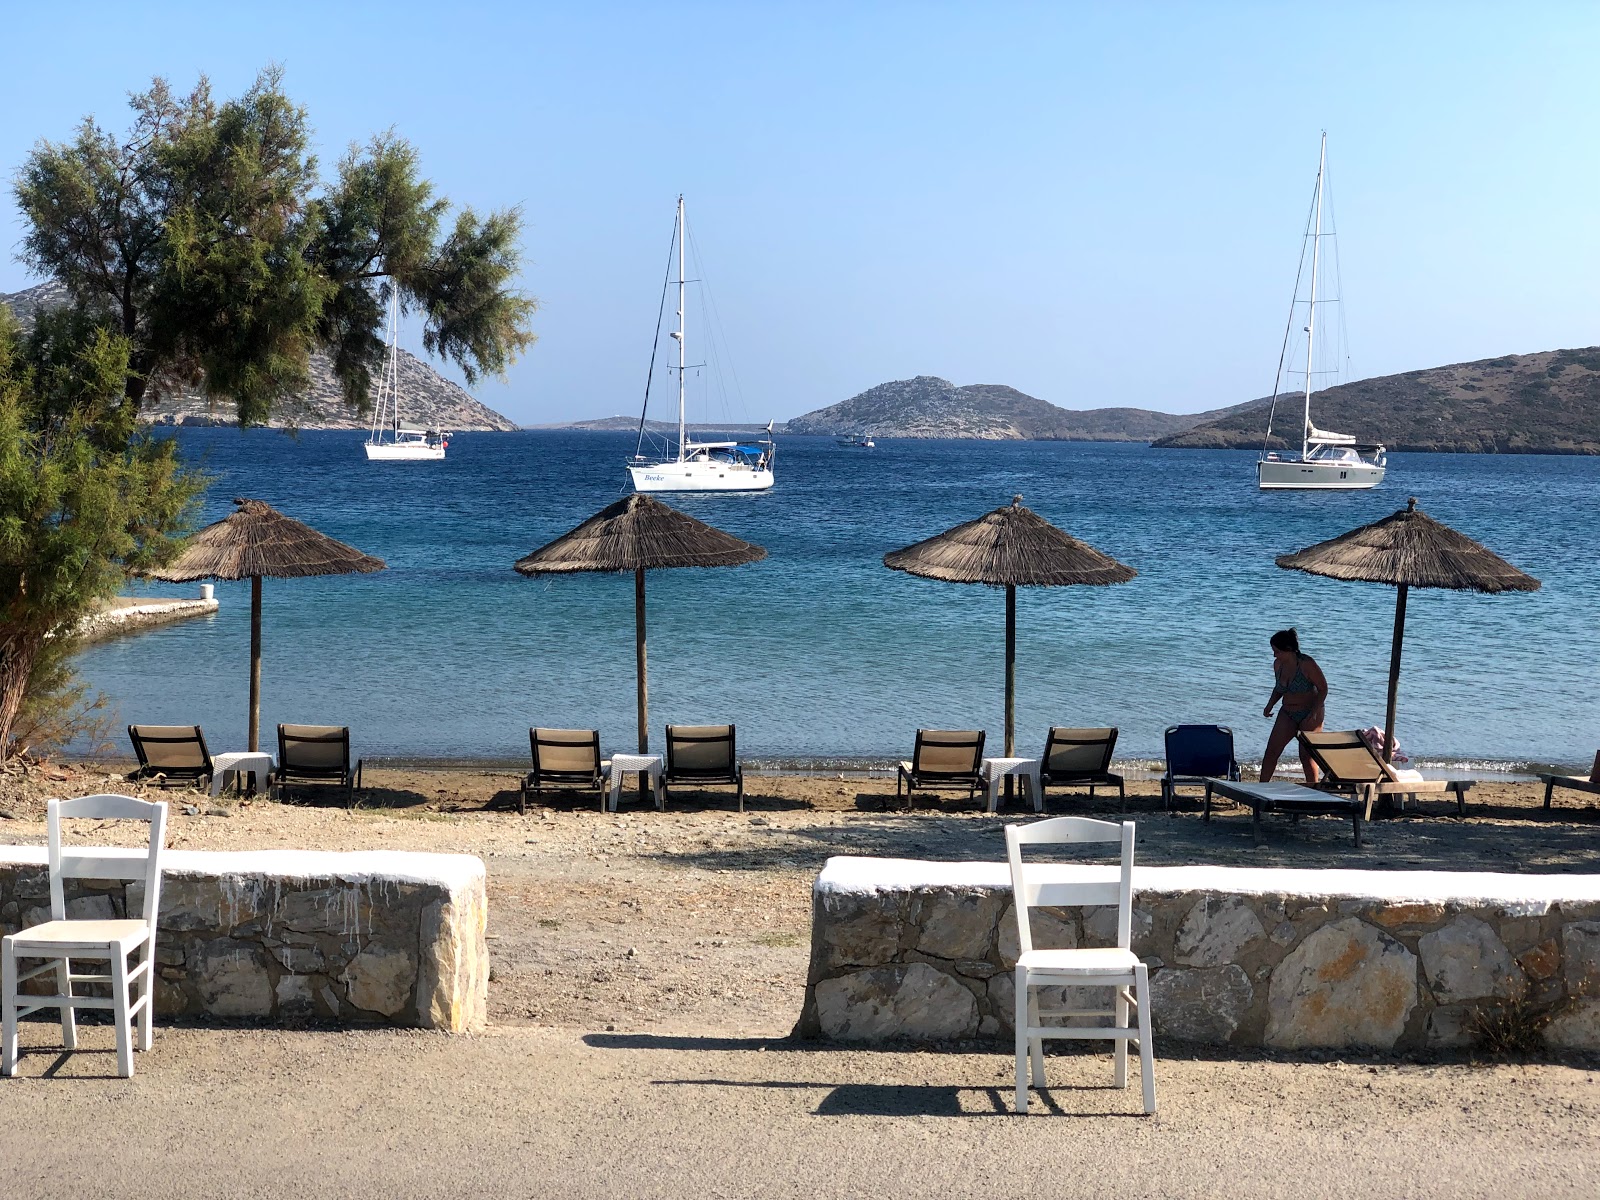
(1296, 959)
(361, 938)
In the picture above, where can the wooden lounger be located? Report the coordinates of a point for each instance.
(1576, 782)
(1348, 764)
(1279, 796)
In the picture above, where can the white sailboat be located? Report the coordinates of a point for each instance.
(1331, 461)
(391, 439)
(699, 466)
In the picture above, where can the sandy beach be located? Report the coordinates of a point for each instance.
(647, 969)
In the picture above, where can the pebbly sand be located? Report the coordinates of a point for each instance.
(647, 968)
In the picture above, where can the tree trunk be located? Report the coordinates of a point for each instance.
(18, 652)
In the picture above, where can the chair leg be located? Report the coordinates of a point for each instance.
(1120, 1054)
(8, 1011)
(147, 1013)
(1021, 1018)
(120, 1006)
(1035, 1044)
(1147, 1052)
(741, 791)
(69, 1015)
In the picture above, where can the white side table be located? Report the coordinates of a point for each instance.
(258, 765)
(646, 764)
(1026, 769)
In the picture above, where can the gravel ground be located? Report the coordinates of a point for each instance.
(648, 966)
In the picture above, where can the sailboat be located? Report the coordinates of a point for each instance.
(391, 439)
(698, 466)
(1331, 461)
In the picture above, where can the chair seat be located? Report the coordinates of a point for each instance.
(60, 936)
(1090, 960)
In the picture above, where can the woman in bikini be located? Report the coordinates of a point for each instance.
(1303, 688)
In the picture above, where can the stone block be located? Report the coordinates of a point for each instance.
(96, 906)
(1200, 1004)
(1216, 931)
(1347, 984)
(453, 974)
(233, 980)
(1450, 1027)
(1394, 916)
(1580, 955)
(958, 924)
(1466, 960)
(380, 980)
(1576, 1027)
(914, 1001)
(1541, 961)
(861, 930)
(302, 960)
(1100, 926)
(294, 996)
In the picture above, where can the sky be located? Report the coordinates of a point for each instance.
(1098, 204)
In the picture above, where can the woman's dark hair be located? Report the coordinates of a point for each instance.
(1286, 639)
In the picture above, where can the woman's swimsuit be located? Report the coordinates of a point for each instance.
(1297, 686)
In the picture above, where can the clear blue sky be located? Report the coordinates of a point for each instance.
(1098, 204)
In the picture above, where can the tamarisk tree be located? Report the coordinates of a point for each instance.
(206, 238)
(85, 496)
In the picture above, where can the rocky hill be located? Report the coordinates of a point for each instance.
(929, 407)
(426, 397)
(1545, 403)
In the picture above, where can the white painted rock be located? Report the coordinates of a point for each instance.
(1215, 930)
(1466, 960)
(912, 1001)
(1347, 984)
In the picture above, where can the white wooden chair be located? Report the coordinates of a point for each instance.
(127, 946)
(1115, 967)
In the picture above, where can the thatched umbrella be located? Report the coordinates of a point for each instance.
(1408, 549)
(253, 542)
(639, 533)
(1011, 547)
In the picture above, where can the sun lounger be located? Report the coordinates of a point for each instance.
(698, 755)
(1348, 764)
(1576, 783)
(564, 758)
(171, 755)
(1079, 758)
(1195, 754)
(318, 755)
(1281, 796)
(943, 758)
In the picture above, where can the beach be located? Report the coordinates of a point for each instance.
(647, 968)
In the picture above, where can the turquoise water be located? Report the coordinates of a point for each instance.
(820, 651)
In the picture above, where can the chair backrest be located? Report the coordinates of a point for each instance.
(1049, 885)
(947, 752)
(163, 748)
(565, 752)
(700, 749)
(1199, 750)
(314, 749)
(105, 862)
(1344, 756)
(1078, 751)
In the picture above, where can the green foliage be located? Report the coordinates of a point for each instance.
(58, 708)
(206, 238)
(84, 496)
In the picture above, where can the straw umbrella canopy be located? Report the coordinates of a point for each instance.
(257, 541)
(1408, 549)
(1010, 547)
(639, 534)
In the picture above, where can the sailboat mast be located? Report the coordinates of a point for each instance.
(683, 236)
(1311, 314)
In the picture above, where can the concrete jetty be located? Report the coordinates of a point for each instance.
(131, 614)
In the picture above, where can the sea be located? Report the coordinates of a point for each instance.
(826, 659)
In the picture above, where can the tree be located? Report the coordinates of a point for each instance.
(206, 239)
(85, 496)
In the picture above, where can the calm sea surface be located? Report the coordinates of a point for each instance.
(819, 651)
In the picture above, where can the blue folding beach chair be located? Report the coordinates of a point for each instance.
(1196, 753)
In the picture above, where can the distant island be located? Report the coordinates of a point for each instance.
(426, 397)
(1544, 403)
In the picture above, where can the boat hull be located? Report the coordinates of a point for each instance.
(1295, 474)
(700, 477)
(386, 452)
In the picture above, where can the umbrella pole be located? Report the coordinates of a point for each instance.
(1394, 672)
(1011, 676)
(255, 663)
(639, 662)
